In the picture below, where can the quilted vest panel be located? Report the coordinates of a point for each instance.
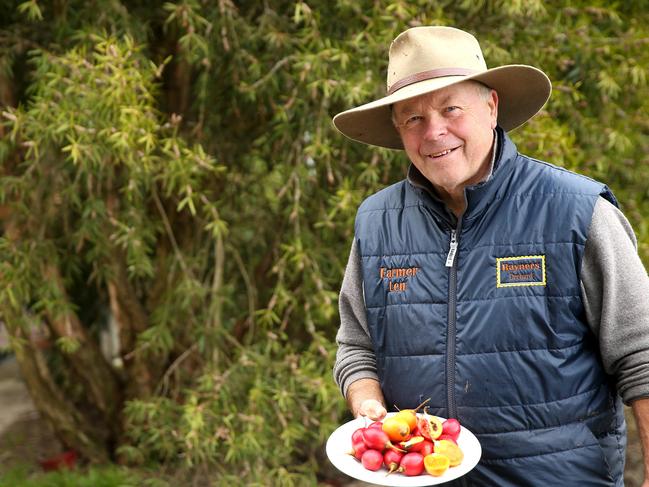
(498, 337)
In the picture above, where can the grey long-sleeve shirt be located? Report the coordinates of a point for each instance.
(614, 289)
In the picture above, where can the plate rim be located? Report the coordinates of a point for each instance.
(396, 480)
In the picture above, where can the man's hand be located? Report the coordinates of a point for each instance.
(373, 409)
(365, 398)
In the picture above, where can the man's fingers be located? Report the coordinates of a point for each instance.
(373, 409)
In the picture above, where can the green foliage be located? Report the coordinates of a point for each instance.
(192, 141)
(31, 10)
(271, 425)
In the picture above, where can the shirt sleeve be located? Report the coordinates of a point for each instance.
(615, 292)
(355, 358)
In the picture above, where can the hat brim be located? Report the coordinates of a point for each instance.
(522, 91)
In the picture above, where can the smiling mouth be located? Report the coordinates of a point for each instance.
(437, 155)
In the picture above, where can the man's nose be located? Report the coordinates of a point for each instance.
(434, 126)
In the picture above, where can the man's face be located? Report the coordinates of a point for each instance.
(448, 135)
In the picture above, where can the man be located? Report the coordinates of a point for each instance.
(506, 290)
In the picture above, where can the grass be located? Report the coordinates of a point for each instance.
(110, 476)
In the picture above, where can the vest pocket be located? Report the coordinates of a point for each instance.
(566, 455)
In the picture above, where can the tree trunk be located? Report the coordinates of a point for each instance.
(70, 425)
(92, 433)
(87, 361)
(131, 320)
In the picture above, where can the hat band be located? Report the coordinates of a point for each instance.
(433, 73)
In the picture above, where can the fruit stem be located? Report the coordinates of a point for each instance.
(395, 448)
(393, 468)
(417, 408)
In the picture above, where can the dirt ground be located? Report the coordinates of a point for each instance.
(25, 438)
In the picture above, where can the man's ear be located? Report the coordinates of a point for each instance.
(493, 108)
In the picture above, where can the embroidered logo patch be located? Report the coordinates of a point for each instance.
(397, 278)
(526, 270)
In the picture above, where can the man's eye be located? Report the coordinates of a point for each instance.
(413, 120)
(451, 108)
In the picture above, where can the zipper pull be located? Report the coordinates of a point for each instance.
(450, 258)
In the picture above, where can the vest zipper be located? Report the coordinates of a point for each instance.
(451, 263)
(450, 258)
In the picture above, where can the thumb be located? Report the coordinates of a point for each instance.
(373, 409)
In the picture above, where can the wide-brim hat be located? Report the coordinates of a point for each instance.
(425, 59)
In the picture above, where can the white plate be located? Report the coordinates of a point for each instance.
(340, 442)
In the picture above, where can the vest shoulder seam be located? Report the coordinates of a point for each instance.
(554, 167)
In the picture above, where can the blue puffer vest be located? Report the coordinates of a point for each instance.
(495, 334)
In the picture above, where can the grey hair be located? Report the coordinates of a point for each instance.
(483, 90)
